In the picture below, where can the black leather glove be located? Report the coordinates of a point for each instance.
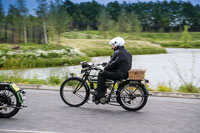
(104, 64)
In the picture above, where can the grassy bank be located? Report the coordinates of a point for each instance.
(100, 47)
(51, 80)
(38, 55)
(173, 39)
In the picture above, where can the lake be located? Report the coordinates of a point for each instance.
(172, 69)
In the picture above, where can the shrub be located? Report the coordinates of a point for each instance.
(189, 88)
(54, 80)
(98, 52)
(162, 87)
(149, 89)
(185, 45)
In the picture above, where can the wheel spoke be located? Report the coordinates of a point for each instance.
(80, 96)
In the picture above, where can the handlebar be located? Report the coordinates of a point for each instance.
(90, 66)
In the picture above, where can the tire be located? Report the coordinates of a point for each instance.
(67, 92)
(8, 96)
(128, 94)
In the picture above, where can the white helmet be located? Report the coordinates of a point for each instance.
(117, 41)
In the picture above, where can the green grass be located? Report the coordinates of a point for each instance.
(30, 46)
(32, 56)
(153, 36)
(189, 88)
(52, 80)
(164, 88)
(172, 39)
(179, 44)
(15, 63)
(100, 47)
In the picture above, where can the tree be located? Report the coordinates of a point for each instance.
(34, 30)
(114, 9)
(133, 23)
(13, 25)
(1, 22)
(58, 19)
(185, 37)
(128, 22)
(122, 23)
(70, 7)
(1, 12)
(88, 12)
(42, 11)
(23, 12)
(104, 22)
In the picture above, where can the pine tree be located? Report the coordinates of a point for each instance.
(42, 11)
(104, 22)
(1, 12)
(24, 13)
(13, 25)
(1, 22)
(58, 19)
(122, 24)
(133, 23)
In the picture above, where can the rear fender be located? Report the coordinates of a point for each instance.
(133, 83)
(14, 87)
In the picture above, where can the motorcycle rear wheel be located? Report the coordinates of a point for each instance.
(132, 97)
(9, 98)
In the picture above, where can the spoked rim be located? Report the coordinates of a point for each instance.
(132, 96)
(74, 92)
(8, 101)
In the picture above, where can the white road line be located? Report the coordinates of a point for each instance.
(23, 131)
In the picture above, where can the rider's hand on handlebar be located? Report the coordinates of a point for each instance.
(104, 64)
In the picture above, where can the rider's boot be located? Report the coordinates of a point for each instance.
(95, 100)
(99, 97)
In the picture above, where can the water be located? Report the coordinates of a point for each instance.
(174, 68)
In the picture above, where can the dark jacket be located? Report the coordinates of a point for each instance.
(121, 60)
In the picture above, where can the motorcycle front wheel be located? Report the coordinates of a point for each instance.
(74, 92)
(9, 103)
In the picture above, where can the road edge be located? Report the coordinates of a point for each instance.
(152, 93)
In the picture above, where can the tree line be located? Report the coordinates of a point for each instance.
(58, 16)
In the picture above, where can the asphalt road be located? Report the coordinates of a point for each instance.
(46, 112)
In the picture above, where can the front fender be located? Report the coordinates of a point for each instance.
(86, 84)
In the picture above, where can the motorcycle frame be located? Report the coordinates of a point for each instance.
(85, 79)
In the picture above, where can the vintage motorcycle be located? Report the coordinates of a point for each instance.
(131, 95)
(11, 99)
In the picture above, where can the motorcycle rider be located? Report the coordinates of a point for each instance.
(117, 68)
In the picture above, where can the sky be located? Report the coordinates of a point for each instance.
(31, 4)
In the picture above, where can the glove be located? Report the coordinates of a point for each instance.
(104, 64)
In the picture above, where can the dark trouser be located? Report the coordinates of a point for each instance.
(113, 75)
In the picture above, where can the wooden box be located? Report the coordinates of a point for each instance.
(136, 74)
